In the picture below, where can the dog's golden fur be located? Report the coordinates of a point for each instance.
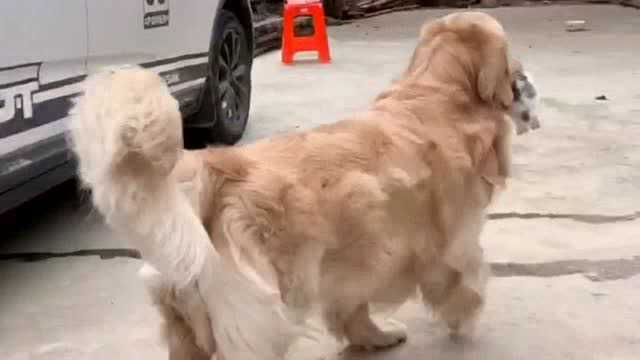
(359, 213)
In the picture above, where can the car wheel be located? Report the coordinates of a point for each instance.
(335, 8)
(228, 93)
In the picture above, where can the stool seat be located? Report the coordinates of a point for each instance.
(319, 41)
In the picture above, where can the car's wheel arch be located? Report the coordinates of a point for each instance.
(242, 10)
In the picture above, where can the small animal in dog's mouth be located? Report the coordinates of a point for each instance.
(524, 111)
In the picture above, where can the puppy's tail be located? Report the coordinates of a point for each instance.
(126, 132)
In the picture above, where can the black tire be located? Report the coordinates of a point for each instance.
(335, 8)
(227, 96)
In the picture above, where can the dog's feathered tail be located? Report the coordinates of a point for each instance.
(126, 132)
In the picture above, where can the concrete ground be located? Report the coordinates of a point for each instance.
(564, 239)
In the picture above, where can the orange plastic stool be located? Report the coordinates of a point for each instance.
(319, 41)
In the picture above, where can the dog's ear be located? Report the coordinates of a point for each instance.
(424, 49)
(494, 77)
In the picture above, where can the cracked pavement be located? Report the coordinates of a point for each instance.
(563, 240)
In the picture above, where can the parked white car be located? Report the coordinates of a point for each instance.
(202, 48)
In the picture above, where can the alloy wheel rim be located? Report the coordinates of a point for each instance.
(232, 79)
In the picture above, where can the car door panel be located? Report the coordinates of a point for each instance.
(168, 37)
(41, 68)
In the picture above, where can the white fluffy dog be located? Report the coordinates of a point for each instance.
(127, 132)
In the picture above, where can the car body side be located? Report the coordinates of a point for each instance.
(51, 45)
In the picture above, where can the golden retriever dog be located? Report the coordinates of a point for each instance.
(244, 242)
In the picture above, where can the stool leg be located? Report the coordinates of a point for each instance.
(322, 39)
(287, 36)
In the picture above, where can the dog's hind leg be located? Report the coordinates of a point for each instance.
(353, 322)
(456, 296)
(361, 331)
(346, 311)
(186, 323)
(291, 258)
(181, 341)
(300, 279)
(366, 263)
(453, 276)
